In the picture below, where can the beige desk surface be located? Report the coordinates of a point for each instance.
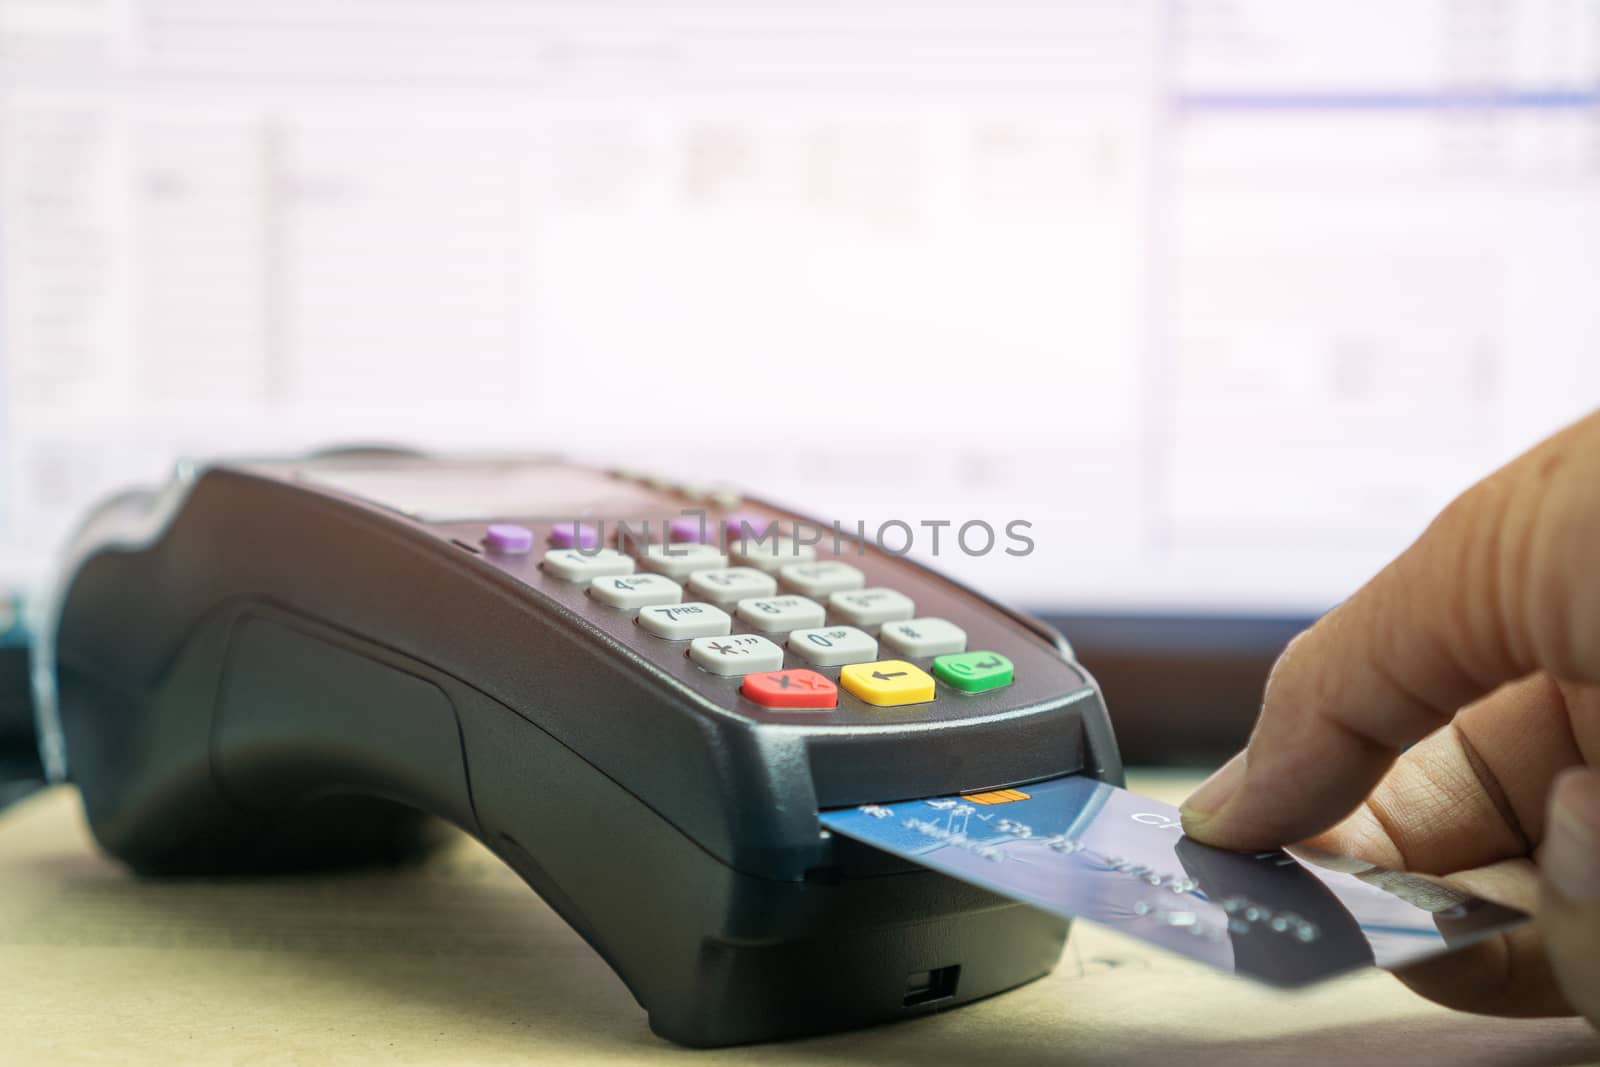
(458, 962)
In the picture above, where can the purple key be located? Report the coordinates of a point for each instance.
(691, 528)
(574, 535)
(741, 524)
(509, 538)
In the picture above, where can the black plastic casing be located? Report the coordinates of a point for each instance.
(262, 673)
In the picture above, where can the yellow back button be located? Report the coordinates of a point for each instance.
(888, 683)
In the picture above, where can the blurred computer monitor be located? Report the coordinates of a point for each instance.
(1223, 299)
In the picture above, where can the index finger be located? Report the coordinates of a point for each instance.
(1504, 582)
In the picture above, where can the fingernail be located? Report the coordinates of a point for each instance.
(1215, 791)
(1571, 853)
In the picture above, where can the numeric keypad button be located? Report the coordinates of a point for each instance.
(821, 577)
(635, 590)
(923, 637)
(681, 622)
(771, 552)
(571, 565)
(833, 646)
(775, 614)
(731, 584)
(679, 559)
(872, 607)
(739, 654)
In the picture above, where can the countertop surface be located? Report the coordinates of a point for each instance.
(457, 961)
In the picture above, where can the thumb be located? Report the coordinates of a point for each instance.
(1569, 906)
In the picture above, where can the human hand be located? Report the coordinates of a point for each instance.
(1480, 648)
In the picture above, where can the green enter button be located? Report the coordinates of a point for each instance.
(973, 672)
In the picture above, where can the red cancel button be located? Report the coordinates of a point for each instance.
(790, 689)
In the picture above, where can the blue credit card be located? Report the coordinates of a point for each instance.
(1088, 850)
